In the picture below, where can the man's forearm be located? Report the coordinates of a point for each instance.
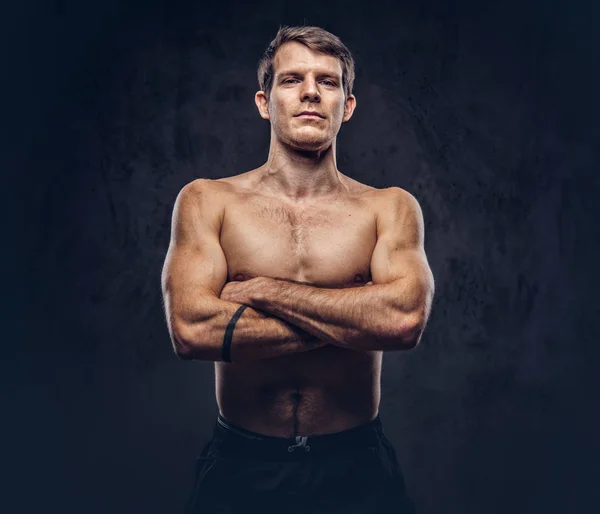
(256, 335)
(360, 318)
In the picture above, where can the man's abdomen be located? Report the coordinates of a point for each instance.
(318, 392)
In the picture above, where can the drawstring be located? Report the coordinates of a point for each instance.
(300, 443)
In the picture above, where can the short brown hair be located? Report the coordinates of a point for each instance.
(316, 39)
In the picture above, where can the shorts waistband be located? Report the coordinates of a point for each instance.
(236, 441)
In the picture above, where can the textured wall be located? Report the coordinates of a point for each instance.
(482, 112)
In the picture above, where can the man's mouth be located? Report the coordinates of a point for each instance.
(310, 114)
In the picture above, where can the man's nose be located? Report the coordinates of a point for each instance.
(310, 91)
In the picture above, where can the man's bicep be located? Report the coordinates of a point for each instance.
(399, 258)
(400, 237)
(195, 266)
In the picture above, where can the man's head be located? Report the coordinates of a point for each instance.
(306, 69)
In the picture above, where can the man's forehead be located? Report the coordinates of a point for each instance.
(293, 56)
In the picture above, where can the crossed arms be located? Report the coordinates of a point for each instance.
(285, 317)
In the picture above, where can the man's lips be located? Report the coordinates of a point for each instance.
(309, 114)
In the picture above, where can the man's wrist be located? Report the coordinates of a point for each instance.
(259, 297)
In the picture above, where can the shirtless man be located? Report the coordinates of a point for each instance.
(294, 278)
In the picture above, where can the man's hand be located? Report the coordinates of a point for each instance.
(245, 292)
(249, 292)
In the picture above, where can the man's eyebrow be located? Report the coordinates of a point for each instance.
(323, 74)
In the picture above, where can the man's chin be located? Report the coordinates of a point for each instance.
(309, 144)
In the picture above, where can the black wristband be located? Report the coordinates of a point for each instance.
(226, 352)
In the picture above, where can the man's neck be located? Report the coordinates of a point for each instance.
(300, 175)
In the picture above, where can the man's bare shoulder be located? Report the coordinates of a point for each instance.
(381, 196)
(217, 192)
(202, 197)
(389, 203)
(240, 183)
(210, 188)
(397, 194)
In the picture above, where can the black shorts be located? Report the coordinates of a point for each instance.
(354, 471)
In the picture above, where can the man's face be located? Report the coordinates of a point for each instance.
(306, 80)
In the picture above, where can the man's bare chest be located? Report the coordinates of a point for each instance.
(328, 245)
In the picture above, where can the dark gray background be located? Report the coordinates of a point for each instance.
(486, 113)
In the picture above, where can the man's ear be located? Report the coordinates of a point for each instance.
(262, 103)
(349, 107)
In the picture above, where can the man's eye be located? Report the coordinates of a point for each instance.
(287, 81)
(329, 83)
